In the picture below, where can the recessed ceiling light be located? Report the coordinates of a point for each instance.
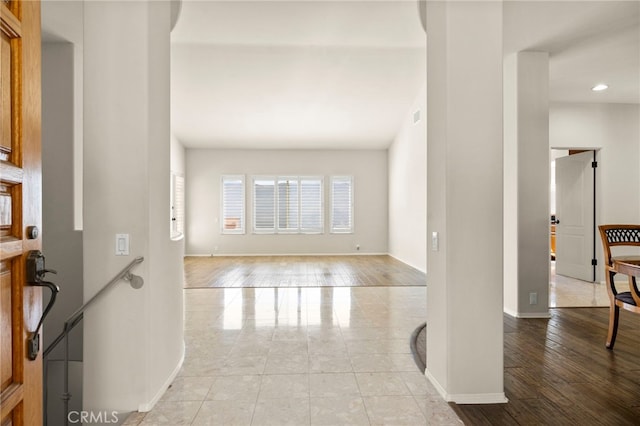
(599, 87)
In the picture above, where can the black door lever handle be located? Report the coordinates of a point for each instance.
(33, 341)
(35, 274)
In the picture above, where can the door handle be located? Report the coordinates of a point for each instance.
(35, 277)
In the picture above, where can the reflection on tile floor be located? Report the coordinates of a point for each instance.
(566, 292)
(301, 356)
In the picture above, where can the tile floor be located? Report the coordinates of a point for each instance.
(301, 356)
(565, 292)
(312, 356)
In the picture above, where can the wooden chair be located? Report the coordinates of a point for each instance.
(612, 236)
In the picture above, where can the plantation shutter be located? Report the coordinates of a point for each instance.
(311, 217)
(233, 209)
(342, 204)
(264, 204)
(178, 204)
(288, 204)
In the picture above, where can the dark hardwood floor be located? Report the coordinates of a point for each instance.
(558, 372)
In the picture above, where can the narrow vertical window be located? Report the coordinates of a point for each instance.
(342, 204)
(264, 205)
(311, 206)
(177, 205)
(233, 205)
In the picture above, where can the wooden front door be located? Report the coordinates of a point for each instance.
(20, 208)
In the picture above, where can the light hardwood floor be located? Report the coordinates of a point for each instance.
(299, 271)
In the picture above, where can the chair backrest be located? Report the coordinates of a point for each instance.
(618, 235)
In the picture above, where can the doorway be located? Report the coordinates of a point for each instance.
(573, 201)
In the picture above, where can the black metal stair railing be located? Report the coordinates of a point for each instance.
(76, 318)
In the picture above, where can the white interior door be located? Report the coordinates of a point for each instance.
(574, 211)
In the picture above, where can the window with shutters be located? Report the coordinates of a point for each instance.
(177, 205)
(288, 204)
(233, 205)
(311, 206)
(342, 204)
(264, 205)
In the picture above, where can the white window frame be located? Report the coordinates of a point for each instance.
(275, 204)
(296, 229)
(276, 213)
(177, 206)
(334, 229)
(312, 231)
(242, 228)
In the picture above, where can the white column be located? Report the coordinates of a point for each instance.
(464, 190)
(526, 184)
(133, 341)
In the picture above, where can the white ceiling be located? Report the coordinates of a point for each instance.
(589, 42)
(301, 74)
(343, 74)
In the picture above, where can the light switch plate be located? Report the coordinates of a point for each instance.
(122, 244)
(435, 244)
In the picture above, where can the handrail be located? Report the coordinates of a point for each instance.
(61, 336)
(75, 318)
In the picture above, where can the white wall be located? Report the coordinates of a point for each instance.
(204, 171)
(164, 323)
(408, 188)
(464, 189)
(526, 184)
(178, 156)
(61, 244)
(133, 338)
(62, 21)
(62, 136)
(510, 183)
(615, 130)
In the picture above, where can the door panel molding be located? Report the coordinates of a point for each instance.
(576, 215)
(21, 187)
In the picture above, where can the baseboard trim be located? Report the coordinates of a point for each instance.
(470, 398)
(424, 271)
(479, 398)
(436, 384)
(286, 254)
(527, 315)
(148, 406)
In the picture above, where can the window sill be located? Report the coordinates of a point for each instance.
(289, 233)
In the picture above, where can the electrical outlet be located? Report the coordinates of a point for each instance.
(533, 298)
